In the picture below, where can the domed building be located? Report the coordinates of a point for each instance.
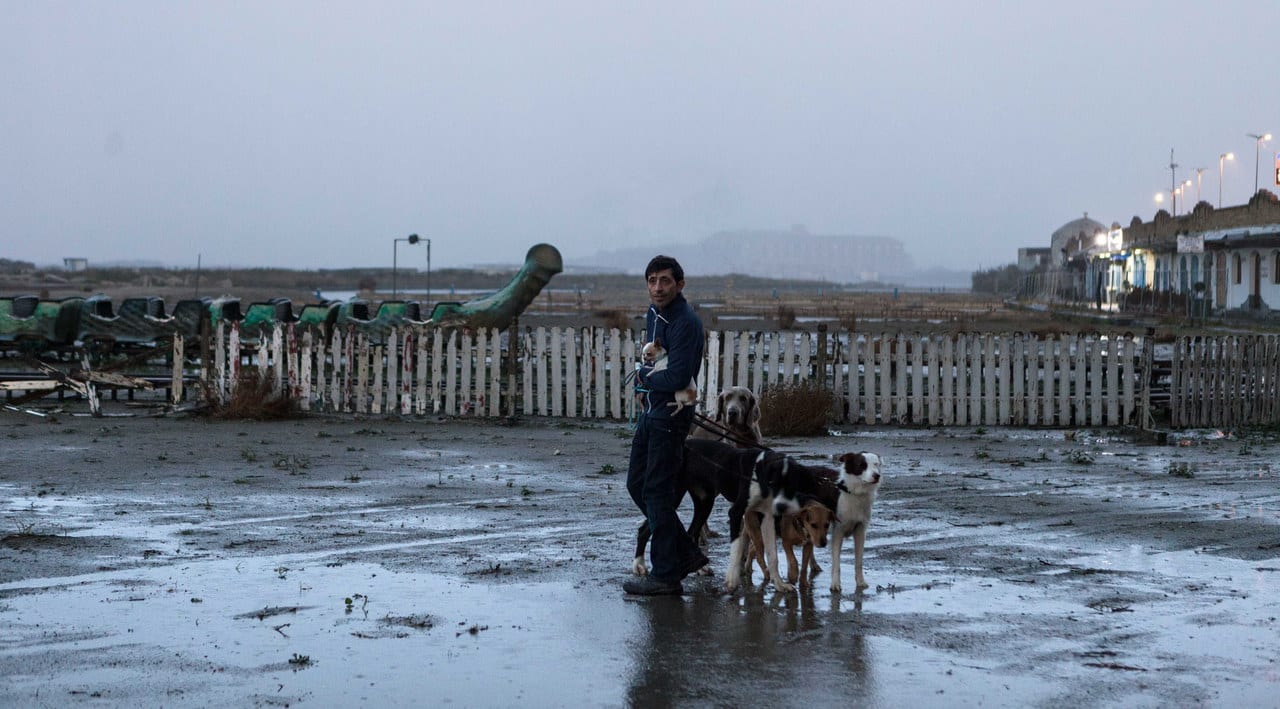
(1074, 237)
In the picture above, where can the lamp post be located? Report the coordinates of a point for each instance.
(1199, 175)
(1221, 158)
(1257, 148)
(1186, 190)
(395, 243)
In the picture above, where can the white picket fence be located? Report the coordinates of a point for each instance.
(990, 379)
(1225, 381)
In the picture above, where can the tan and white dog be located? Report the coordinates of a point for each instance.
(858, 483)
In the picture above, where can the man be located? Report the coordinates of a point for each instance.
(657, 449)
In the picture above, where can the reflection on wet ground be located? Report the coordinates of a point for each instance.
(1005, 571)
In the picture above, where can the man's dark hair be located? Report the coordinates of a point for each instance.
(662, 263)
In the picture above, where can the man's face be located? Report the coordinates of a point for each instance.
(663, 287)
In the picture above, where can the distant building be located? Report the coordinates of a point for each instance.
(1230, 257)
(75, 264)
(1212, 260)
(1074, 238)
(1032, 258)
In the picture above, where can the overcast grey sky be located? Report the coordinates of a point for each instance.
(312, 134)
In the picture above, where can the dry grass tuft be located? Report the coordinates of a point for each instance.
(253, 399)
(795, 409)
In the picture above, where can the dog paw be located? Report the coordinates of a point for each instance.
(783, 586)
(638, 567)
(835, 588)
(731, 584)
(862, 585)
(705, 570)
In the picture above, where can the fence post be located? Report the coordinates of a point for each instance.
(822, 356)
(175, 386)
(1144, 373)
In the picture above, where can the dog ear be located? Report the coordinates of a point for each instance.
(720, 406)
(854, 463)
(753, 411)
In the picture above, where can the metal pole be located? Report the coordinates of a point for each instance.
(428, 273)
(1257, 149)
(1220, 159)
(395, 243)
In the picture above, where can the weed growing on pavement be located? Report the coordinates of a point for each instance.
(1079, 458)
(254, 398)
(1181, 470)
(795, 409)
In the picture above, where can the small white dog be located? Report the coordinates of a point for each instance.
(857, 483)
(656, 355)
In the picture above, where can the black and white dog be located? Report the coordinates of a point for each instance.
(858, 483)
(778, 484)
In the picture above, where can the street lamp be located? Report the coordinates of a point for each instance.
(1257, 147)
(1186, 190)
(412, 239)
(1199, 175)
(1222, 157)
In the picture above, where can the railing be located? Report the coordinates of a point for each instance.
(1225, 381)
(582, 373)
(960, 379)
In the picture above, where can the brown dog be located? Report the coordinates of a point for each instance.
(806, 529)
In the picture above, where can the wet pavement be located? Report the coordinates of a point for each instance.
(175, 562)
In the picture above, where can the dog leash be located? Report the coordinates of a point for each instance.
(709, 424)
(633, 419)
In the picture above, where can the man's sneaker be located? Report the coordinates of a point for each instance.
(695, 562)
(649, 586)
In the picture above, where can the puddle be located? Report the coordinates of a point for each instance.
(494, 581)
(239, 630)
(400, 631)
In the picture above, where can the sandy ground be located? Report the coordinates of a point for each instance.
(380, 562)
